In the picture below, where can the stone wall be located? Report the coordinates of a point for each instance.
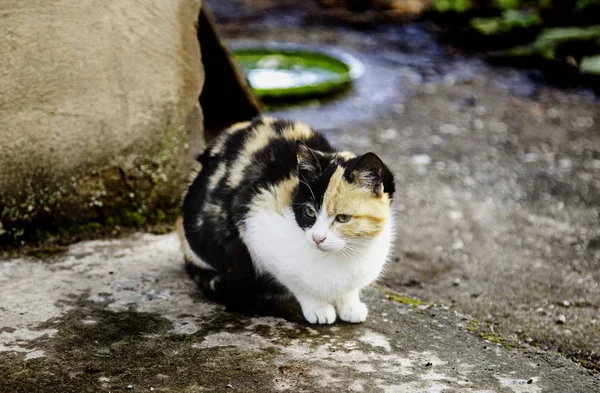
(98, 107)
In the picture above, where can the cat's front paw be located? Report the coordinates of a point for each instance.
(354, 312)
(322, 314)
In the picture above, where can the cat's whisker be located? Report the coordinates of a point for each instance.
(350, 253)
(304, 181)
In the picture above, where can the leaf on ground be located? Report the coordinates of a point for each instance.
(590, 65)
(549, 40)
(508, 21)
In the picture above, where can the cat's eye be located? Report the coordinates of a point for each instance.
(310, 212)
(343, 218)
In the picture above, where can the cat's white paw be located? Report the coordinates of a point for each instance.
(354, 312)
(322, 314)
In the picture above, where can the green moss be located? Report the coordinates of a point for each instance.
(473, 325)
(41, 234)
(45, 252)
(484, 330)
(133, 219)
(160, 215)
(411, 301)
(398, 298)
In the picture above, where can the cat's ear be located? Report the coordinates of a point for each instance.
(371, 172)
(307, 158)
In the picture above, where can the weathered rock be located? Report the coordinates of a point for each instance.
(98, 106)
(112, 314)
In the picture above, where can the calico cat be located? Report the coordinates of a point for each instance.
(276, 208)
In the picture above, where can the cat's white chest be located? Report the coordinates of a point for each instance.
(279, 246)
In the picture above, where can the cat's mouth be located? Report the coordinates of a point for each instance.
(325, 247)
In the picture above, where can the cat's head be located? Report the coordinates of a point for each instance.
(342, 201)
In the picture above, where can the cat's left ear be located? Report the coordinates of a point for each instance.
(308, 160)
(371, 172)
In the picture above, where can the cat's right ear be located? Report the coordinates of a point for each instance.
(308, 160)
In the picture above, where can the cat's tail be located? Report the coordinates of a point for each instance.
(224, 288)
(239, 292)
(204, 278)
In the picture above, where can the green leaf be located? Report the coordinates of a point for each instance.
(590, 65)
(507, 4)
(452, 5)
(550, 40)
(509, 20)
(582, 4)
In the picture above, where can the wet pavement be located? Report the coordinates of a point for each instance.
(498, 174)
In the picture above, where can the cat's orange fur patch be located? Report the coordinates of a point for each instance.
(276, 198)
(369, 211)
(219, 146)
(297, 131)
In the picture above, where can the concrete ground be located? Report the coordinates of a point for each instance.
(121, 315)
(497, 217)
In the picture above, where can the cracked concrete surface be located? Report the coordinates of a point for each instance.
(121, 315)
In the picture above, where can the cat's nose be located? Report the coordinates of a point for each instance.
(318, 239)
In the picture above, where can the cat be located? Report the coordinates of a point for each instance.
(276, 208)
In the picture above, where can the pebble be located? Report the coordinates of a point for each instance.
(451, 129)
(566, 303)
(388, 134)
(498, 126)
(229, 386)
(478, 124)
(129, 387)
(455, 215)
(561, 319)
(469, 181)
(458, 244)
(553, 113)
(456, 282)
(584, 122)
(437, 140)
(565, 163)
(421, 159)
(449, 80)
